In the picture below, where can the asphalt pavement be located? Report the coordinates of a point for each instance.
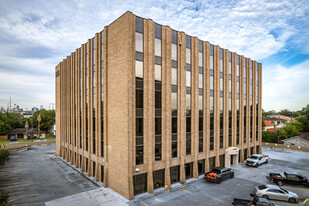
(37, 175)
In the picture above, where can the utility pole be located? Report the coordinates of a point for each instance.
(32, 128)
(39, 120)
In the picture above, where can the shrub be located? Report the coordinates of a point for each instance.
(4, 156)
(4, 198)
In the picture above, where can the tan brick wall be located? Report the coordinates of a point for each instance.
(119, 106)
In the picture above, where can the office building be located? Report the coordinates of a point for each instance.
(141, 106)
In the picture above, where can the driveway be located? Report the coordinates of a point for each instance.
(36, 176)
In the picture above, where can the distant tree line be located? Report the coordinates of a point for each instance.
(10, 121)
(294, 128)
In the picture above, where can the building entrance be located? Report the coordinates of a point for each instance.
(231, 156)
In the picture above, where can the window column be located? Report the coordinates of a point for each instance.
(188, 95)
(201, 96)
(174, 94)
(221, 97)
(230, 100)
(139, 85)
(101, 98)
(211, 87)
(158, 92)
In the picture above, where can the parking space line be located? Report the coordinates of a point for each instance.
(32, 203)
(305, 202)
(21, 196)
(19, 188)
(143, 203)
(15, 183)
(183, 189)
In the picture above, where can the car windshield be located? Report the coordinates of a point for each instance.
(284, 190)
(216, 171)
(262, 187)
(254, 157)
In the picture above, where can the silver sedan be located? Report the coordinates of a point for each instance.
(275, 193)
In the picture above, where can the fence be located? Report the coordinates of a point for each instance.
(283, 146)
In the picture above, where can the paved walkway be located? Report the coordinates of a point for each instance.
(96, 197)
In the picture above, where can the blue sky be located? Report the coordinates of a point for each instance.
(36, 35)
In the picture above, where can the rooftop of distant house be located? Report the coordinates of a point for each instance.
(268, 123)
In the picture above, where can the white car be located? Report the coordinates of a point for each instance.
(257, 159)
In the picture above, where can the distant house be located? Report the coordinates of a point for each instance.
(269, 126)
(20, 133)
(301, 140)
(279, 119)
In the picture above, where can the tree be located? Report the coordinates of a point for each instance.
(286, 112)
(5, 125)
(47, 119)
(265, 114)
(302, 119)
(290, 130)
(268, 136)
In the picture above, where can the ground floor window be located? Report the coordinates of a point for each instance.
(239, 155)
(212, 163)
(80, 161)
(140, 183)
(251, 150)
(222, 160)
(86, 164)
(189, 170)
(158, 179)
(93, 168)
(102, 173)
(245, 154)
(201, 167)
(258, 149)
(175, 175)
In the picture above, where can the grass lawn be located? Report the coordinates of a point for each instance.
(23, 140)
(4, 142)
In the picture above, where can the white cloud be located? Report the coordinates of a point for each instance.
(286, 88)
(255, 29)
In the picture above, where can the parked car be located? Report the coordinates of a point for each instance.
(256, 201)
(293, 178)
(13, 138)
(218, 174)
(257, 159)
(276, 193)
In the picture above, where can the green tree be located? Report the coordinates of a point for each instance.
(286, 112)
(5, 125)
(290, 130)
(268, 136)
(47, 119)
(16, 120)
(302, 119)
(265, 114)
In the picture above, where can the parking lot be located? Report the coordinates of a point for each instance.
(201, 193)
(36, 176)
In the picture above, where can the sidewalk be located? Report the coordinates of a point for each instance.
(101, 196)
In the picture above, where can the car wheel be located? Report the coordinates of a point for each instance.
(292, 200)
(266, 162)
(256, 165)
(280, 183)
(232, 175)
(219, 181)
(266, 197)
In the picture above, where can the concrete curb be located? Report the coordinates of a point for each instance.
(78, 170)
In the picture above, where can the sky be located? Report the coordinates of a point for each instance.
(36, 35)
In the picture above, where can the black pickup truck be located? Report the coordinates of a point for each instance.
(218, 174)
(292, 178)
(256, 201)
